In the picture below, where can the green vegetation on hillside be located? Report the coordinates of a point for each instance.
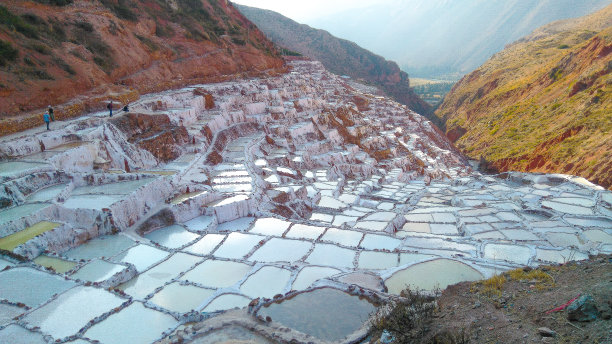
(538, 107)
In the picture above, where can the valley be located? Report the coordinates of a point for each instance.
(238, 190)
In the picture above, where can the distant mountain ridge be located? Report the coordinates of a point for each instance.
(432, 38)
(543, 104)
(340, 56)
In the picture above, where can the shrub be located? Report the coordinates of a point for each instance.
(55, 2)
(17, 23)
(148, 42)
(120, 9)
(94, 43)
(36, 73)
(408, 320)
(238, 41)
(7, 53)
(40, 48)
(66, 67)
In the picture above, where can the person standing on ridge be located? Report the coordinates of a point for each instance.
(46, 119)
(51, 113)
(110, 108)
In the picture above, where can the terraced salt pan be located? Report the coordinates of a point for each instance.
(237, 245)
(10, 242)
(199, 223)
(342, 237)
(120, 188)
(266, 282)
(331, 255)
(299, 231)
(148, 281)
(217, 273)
(326, 313)
(437, 273)
(181, 298)
(46, 194)
(231, 334)
(206, 245)
(377, 260)
(7, 313)
(134, 324)
(310, 274)
(511, 253)
(97, 271)
(142, 256)
(97, 202)
(270, 226)
(568, 208)
(14, 169)
(379, 242)
(15, 213)
(104, 246)
(238, 225)
(281, 250)
(172, 237)
(227, 301)
(184, 197)
(16, 334)
(72, 310)
(30, 286)
(58, 265)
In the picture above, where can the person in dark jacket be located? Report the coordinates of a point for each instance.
(50, 110)
(110, 108)
(46, 119)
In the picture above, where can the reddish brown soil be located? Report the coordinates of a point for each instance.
(515, 315)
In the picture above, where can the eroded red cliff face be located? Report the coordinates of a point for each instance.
(86, 52)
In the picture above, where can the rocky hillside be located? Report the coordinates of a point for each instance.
(542, 104)
(446, 38)
(338, 55)
(52, 51)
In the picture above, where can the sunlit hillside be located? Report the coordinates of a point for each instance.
(542, 104)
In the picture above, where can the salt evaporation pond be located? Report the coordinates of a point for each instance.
(97, 271)
(266, 282)
(15, 213)
(326, 313)
(174, 236)
(104, 246)
(46, 194)
(16, 168)
(57, 264)
(217, 273)
(11, 241)
(310, 274)
(437, 273)
(30, 286)
(231, 334)
(281, 250)
(72, 310)
(135, 324)
(227, 301)
(181, 298)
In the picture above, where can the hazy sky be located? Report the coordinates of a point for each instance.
(302, 10)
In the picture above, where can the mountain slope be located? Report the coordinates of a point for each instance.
(54, 51)
(542, 104)
(340, 56)
(447, 37)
